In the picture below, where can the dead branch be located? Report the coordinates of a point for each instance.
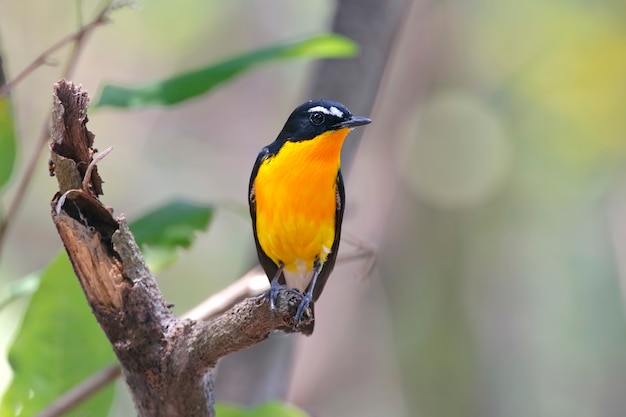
(251, 284)
(166, 361)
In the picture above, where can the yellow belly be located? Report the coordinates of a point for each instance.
(295, 193)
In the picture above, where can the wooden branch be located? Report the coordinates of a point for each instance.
(166, 361)
(251, 284)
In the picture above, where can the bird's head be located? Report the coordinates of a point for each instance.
(315, 117)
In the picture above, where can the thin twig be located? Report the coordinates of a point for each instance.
(23, 184)
(80, 393)
(93, 163)
(365, 250)
(251, 284)
(78, 37)
(42, 59)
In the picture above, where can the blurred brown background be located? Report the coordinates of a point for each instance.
(491, 183)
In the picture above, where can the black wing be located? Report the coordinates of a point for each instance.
(266, 262)
(328, 266)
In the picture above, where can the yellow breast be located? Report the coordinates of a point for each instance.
(295, 193)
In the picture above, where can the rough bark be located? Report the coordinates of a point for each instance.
(166, 361)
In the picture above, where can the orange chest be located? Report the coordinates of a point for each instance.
(296, 201)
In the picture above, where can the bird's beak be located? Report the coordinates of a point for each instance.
(354, 121)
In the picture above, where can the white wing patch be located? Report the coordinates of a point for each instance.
(333, 110)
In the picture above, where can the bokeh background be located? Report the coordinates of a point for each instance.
(491, 184)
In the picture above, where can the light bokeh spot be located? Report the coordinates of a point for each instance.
(458, 155)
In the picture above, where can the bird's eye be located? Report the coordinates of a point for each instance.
(317, 118)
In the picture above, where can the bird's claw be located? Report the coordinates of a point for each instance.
(272, 293)
(275, 287)
(304, 303)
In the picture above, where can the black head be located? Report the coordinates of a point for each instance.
(316, 117)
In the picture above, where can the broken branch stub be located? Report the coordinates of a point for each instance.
(166, 361)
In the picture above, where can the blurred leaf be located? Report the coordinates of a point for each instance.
(19, 288)
(58, 345)
(8, 145)
(269, 409)
(162, 231)
(192, 84)
(172, 224)
(159, 259)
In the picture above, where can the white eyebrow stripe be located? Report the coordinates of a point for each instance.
(332, 111)
(320, 109)
(335, 111)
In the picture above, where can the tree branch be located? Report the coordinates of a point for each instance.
(166, 361)
(251, 284)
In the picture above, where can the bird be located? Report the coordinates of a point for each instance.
(297, 201)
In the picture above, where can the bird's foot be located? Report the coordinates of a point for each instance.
(305, 300)
(272, 293)
(304, 303)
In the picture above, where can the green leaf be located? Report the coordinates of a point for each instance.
(58, 345)
(8, 145)
(162, 231)
(171, 225)
(192, 84)
(19, 288)
(269, 409)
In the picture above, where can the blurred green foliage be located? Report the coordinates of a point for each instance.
(58, 345)
(8, 145)
(161, 232)
(19, 288)
(172, 224)
(271, 409)
(192, 84)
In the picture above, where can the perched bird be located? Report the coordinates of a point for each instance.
(297, 198)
